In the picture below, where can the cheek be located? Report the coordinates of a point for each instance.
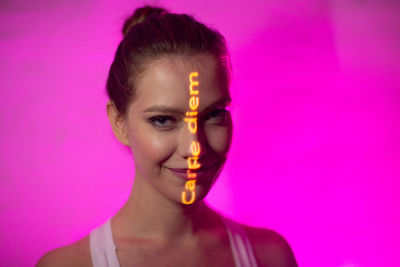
(150, 147)
(219, 138)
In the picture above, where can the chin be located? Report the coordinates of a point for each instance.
(204, 185)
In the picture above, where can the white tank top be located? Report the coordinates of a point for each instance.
(103, 249)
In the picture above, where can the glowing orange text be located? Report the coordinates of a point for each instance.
(189, 193)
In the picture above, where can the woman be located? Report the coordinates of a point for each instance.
(169, 93)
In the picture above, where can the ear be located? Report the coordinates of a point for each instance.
(118, 123)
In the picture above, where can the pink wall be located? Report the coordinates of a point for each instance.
(316, 146)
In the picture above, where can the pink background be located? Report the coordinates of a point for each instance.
(316, 145)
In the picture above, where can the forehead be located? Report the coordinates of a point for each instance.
(165, 81)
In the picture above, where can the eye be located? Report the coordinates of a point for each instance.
(163, 122)
(218, 116)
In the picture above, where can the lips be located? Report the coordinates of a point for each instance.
(183, 172)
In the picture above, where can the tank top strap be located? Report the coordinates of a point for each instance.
(102, 246)
(242, 250)
(103, 249)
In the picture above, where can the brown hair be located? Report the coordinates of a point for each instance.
(151, 33)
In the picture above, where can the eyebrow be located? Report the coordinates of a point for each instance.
(165, 109)
(172, 110)
(224, 101)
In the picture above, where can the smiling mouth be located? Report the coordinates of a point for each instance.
(199, 170)
(185, 170)
(199, 174)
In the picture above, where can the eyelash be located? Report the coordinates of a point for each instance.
(217, 116)
(221, 115)
(155, 121)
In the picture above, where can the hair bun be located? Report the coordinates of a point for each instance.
(140, 15)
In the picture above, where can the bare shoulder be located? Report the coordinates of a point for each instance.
(74, 255)
(271, 248)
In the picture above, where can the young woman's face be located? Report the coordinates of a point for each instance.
(160, 138)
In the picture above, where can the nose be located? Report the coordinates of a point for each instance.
(191, 143)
